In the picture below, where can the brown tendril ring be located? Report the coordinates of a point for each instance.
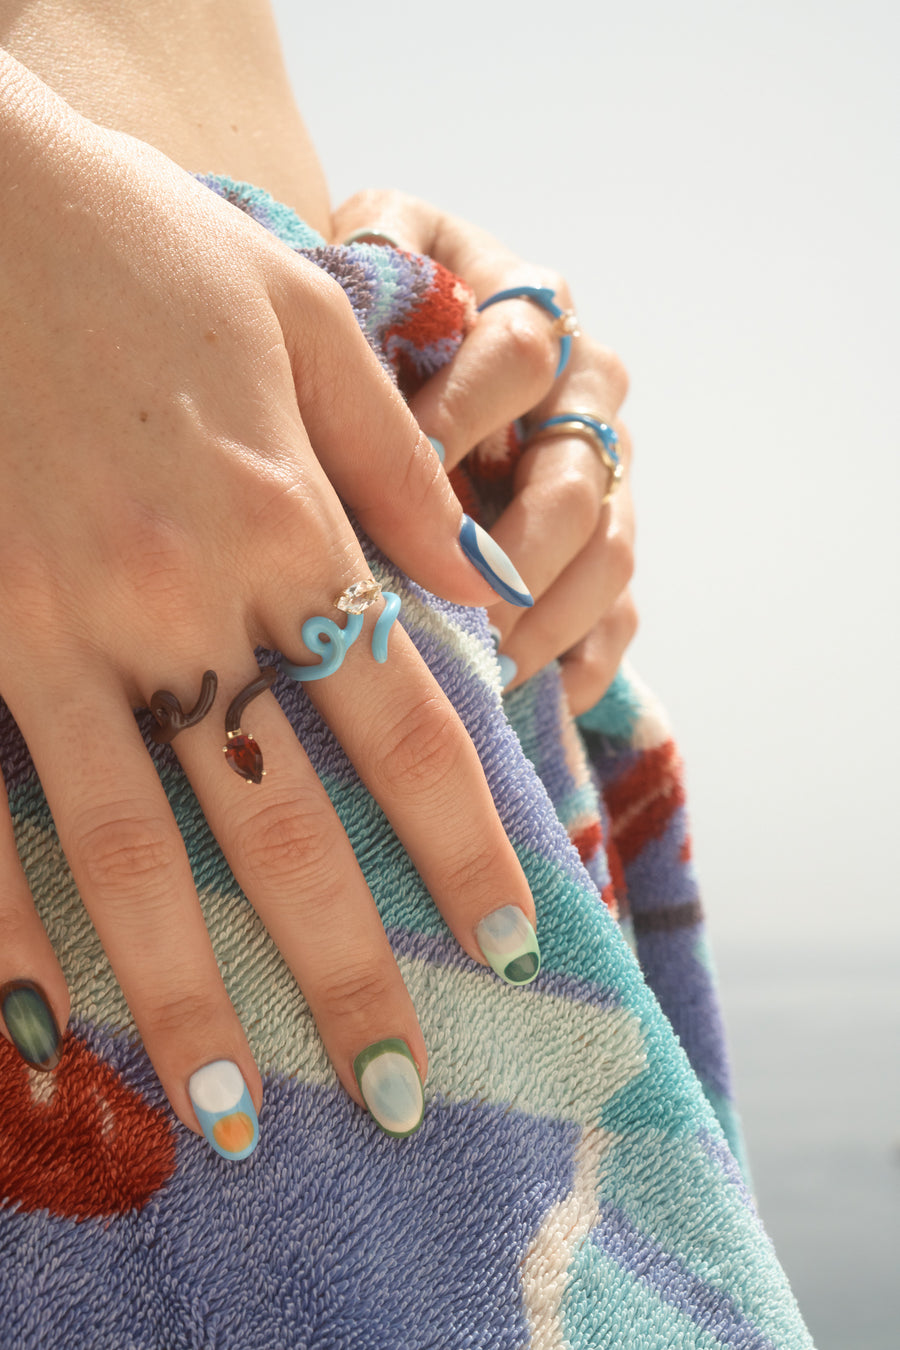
(171, 717)
(242, 753)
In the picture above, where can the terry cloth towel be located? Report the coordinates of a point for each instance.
(572, 1184)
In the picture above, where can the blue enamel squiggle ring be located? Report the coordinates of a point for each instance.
(599, 434)
(565, 326)
(328, 640)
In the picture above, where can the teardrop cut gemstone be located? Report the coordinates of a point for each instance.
(245, 757)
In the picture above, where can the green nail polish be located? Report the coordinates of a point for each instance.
(30, 1022)
(509, 945)
(391, 1087)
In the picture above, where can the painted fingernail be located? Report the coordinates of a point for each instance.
(30, 1022)
(509, 944)
(493, 564)
(225, 1109)
(438, 448)
(496, 635)
(508, 669)
(391, 1087)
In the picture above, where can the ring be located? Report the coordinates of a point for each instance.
(373, 236)
(171, 717)
(565, 327)
(599, 435)
(242, 753)
(326, 639)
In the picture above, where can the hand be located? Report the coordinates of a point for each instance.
(574, 552)
(182, 399)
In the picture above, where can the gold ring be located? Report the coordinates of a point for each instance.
(599, 435)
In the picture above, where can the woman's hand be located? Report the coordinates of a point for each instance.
(574, 551)
(182, 399)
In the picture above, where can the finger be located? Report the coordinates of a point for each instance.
(558, 491)
(130, 866)
(504, 366)
(34, 1000)
(560, 509)
(292, 858)
(590, 667)
(567, 611)
(378, 214)
(417, 760)
(378, 461)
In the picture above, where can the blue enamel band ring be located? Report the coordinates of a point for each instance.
(328, 640)
(599, 435)
(565, 323)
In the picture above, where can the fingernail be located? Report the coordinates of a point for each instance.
(391, 1087)
(509, 945)
(496, 635)
(508, 669)
(493, 564)
(225, 1109)
(30, 1022)
(438, 448)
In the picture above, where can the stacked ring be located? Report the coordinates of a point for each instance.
(328, 640)
(565, 327)
(599, 434)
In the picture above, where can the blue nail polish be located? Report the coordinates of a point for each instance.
(508, 669)
(225, 1109)
(493, 564)
(438, 448)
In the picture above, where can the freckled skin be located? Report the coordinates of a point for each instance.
(241, 112)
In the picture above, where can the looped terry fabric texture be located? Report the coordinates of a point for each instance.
(574, 1182)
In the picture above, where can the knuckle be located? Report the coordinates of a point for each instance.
(472, 875)
(127, 855)
(534, 346)
(559, 285)
(578, 503)
(286, 842)
(354, 992)
(156, 566)
(620, 559)
(615, 375)
(422, 748)
(186, 1015)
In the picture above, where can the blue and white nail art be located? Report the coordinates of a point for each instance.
(493, 564)
(225, 1109)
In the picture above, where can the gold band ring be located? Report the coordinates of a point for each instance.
(599, 435)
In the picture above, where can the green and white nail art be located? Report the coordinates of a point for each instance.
(391, 1087)
(509, 945)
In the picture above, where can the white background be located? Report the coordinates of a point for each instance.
(719, 182)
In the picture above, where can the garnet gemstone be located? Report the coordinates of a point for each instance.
(245, 757)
